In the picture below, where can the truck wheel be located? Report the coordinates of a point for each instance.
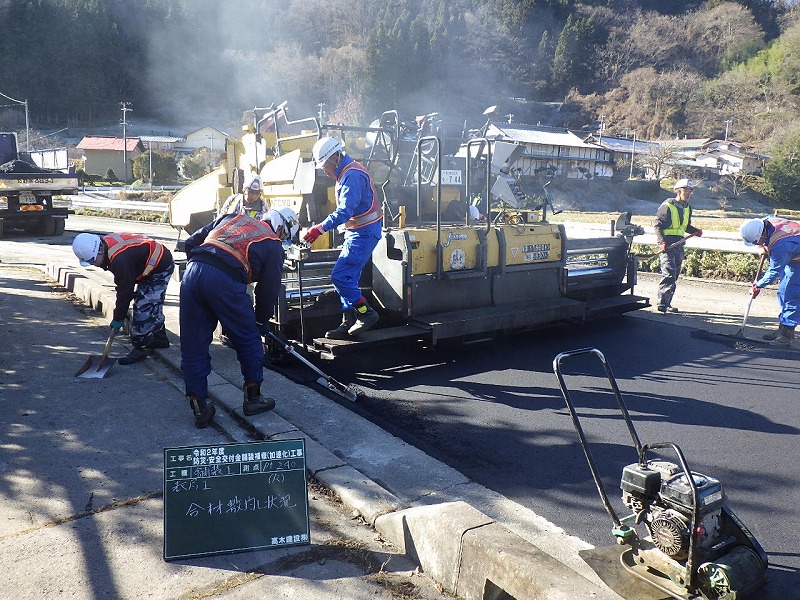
(47, 226)
(60, 225)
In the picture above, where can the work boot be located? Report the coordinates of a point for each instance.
(159, 339)
(253, 402)
(786, 335)
(772, 335)
(340, 333)
(366, 317)
(136, 354)
(203, 410)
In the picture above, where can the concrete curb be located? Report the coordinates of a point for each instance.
(467, 552)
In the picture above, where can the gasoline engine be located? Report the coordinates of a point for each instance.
(681, 535)
(729, 561)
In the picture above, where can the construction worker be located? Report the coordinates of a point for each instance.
(223, 258)
(359, 211)
(780, 240)
(673, 220)
(284, 222)
(249, 202)
(142, 268)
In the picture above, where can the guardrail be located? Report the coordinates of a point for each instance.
(104, 202)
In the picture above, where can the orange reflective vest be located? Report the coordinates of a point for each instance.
(117, 242)
(236, 236)
(373, 213)
(783, 229)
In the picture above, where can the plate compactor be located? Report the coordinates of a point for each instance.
(681, 536)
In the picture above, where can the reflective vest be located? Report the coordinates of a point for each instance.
(677, 226)
(783, 229)
(235, 237)
(237, 202)
(373, 213)
(117, 242)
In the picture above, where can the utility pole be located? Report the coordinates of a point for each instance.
(321, 114)
(27, 120)
(633, 153)
(150, 153)
(125, 108)
(727, 126)
(602, 127)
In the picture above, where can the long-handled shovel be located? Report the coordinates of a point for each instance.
(324, 380)
(740, 333)
(96, 367)
(670, 247)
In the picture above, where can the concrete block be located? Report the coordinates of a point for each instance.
(432, 536)
(359, 492)
(495, 562)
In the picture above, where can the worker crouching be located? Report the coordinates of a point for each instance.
(222, 259)
(142, 268)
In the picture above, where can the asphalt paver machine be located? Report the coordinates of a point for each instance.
(681, 538)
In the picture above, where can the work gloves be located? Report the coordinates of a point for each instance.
(755, 290)
(264, 329)
(312, 234)
(698, 233)
(117, 325)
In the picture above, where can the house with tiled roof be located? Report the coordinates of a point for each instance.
(205, 137)
(553, 152)
(104, 152)
(727, 157)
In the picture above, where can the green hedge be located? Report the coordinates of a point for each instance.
(707, 264)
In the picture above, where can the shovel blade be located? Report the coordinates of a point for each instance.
(95, 367)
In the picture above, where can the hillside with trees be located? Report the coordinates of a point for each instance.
(660, 68)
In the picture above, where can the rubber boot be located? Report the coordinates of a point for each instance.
(203, 410)
(772, 335)
(136, 354)
(159, 339)
(340, 333)
(786, 336)
(366, 317)
(253, 402)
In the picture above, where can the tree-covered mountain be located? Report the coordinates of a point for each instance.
(661, 68)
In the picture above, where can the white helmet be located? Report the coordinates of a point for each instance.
(323, 149)
(253, 184)
(683, 183)
(751, 231)
(284, 221)
(86, 246)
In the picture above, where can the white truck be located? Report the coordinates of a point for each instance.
(27, 191)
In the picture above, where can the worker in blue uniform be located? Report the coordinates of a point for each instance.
(223, 258)
(358, 209)
(779, 239)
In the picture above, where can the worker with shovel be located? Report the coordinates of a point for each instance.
(780, 240)
(142, 268)
(673, 220)
(223, 258)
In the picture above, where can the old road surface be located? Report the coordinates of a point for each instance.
(494, 411)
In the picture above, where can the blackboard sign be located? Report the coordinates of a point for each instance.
(234, 498)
